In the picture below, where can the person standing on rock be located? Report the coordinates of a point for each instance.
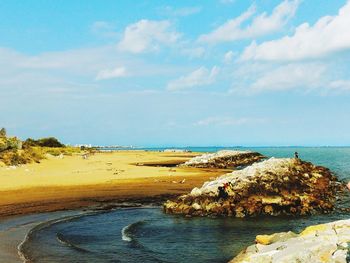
(296, 155)
(222, 192)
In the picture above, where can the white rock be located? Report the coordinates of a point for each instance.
(275, 165)
(321, 243)
(196, 206)
(205, 158)
(196, 192)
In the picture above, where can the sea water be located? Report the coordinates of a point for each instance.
(149, 235)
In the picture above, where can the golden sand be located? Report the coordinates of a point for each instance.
(74, 182)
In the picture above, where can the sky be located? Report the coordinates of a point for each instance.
(177, 73)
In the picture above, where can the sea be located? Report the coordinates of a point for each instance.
(146, 234)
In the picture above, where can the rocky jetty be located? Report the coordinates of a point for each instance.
(272, 187)
(224, 159)
(320, 243)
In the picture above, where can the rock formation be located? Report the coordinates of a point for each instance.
(224, 159)
(273, 187)
(320, 243)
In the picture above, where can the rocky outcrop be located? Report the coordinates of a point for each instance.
(272, 187)
(320, 243)
(224, 159)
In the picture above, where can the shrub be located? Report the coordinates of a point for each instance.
(17, 157)
(10, 144)
(44, 142)
(3, 132)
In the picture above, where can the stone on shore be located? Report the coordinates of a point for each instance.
(224, 159)
(273, 187)
(321, 243)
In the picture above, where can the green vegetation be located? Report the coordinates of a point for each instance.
(44, 142)
(3, 132)
(17, 157)
(10, 144)
(14, 152)
(67, 150)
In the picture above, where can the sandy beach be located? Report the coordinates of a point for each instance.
(73, 182)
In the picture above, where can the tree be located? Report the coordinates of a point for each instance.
(44, 142)
(3, 132)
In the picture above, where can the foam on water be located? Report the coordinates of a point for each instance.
(129, 230)
(125, 236)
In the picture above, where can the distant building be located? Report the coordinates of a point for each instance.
(83, 145)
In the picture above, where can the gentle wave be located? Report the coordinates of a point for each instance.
(65, 241)
(128, 231)
(21, 247)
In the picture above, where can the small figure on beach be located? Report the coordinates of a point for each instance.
(296, 155)
(348, 185)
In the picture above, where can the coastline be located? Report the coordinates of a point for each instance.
(147, 178)
(36, 193)
(74, 183)
(14, 231)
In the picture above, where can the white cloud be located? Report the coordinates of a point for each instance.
(227, 121)
(292, 76)
(341, 85)
(328, 35)
(184, 11)
(103, 28)
(260, 25)
(111, 73)
(146, 35)
(200, 77)
(317, 77)
(223, 121)
(74, 71)
(193, 52)
(227, 1)
(228, 56)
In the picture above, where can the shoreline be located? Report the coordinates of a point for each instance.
(70, 185)
(14, 231)
(17, 229)
(73, 182)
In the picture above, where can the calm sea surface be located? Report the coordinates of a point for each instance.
(148, 235)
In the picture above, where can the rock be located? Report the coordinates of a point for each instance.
(262, 188)
(320, 243)
(224, 159)
(196, 192)
(196, 206)
(269, 239)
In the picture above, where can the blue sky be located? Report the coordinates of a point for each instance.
(156, 73)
